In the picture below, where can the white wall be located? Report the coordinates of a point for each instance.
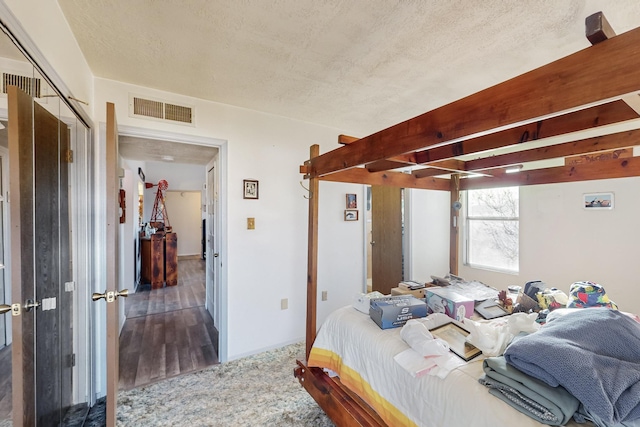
(179, 176)
(267, 264)
(184, 209)
(429, 233)
(561, 242)
(340, 248)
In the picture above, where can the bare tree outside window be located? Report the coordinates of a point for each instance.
(493, 228)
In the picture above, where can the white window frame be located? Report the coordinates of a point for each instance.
(467, 237)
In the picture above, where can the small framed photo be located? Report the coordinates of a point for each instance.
(595, 201)
(250, 189)
(352, 201)
(455, 336)
(351, 215)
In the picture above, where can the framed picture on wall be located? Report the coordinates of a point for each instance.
(250, 188)
(352, 201)
(351, 215)
(595, 201)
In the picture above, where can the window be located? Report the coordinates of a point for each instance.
(492, 219)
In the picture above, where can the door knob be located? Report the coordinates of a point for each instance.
(31, 304)
(110, 296)
(372, 243)
(16, 309)
(216, 255)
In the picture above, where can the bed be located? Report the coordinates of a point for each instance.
(596, 88)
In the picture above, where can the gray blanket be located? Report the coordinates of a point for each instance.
(532, 397)
(593, 353)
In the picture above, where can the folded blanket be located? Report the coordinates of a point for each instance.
(532, 397)
(594, 353)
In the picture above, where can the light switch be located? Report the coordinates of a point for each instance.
(251, 223)
(284, 303)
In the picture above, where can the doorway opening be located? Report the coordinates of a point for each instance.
(386, 237)
(169, 330)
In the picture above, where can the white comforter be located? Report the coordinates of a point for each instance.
(361, 353)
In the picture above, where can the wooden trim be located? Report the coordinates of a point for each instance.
(610, 69)
(600, 115)
(393, 179)
(346, 139)
(385, 165)
(340, 404)
(312, 256)
(583, 146)
(454, 225)
(598, 28)
(606, 169)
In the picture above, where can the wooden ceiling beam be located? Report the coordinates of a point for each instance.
(600, 115)
(598, 29)
(393, 179)
(346, 139)
(608, 70)
(583, 146)
(606, 169)
(385, 165)
(451, 165)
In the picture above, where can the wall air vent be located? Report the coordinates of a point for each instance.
(157, 109)
(30, 85)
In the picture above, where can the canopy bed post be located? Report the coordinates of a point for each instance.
(454, 241)
(312, 256)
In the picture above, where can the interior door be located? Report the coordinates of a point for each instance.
(386, 238)
(42, 350)
(112, 292)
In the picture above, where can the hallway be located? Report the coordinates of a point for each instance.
(168, 332)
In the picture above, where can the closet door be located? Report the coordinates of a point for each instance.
(42, 350)
(386, 238)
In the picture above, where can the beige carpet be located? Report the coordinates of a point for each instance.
(259, 390)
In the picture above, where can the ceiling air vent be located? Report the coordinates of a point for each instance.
(160, 110)
(178, 113)
(30, 85)
(148, 108)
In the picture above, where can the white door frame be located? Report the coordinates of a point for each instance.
(220, 309)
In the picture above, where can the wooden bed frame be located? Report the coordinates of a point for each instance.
(597, 86)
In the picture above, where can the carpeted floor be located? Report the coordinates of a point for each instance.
(258, 390)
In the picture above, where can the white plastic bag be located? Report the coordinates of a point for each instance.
(493, 336)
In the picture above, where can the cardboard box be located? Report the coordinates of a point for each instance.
(443, 300)
(418, 293)
(394, 311)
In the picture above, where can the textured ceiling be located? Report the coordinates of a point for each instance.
(356, 65)
(153, 150)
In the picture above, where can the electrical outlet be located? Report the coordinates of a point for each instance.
(251, 223)
(284, 303)
(324, 295)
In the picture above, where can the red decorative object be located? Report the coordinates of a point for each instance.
(123, 206)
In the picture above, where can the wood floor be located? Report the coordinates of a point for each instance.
(168, 332)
